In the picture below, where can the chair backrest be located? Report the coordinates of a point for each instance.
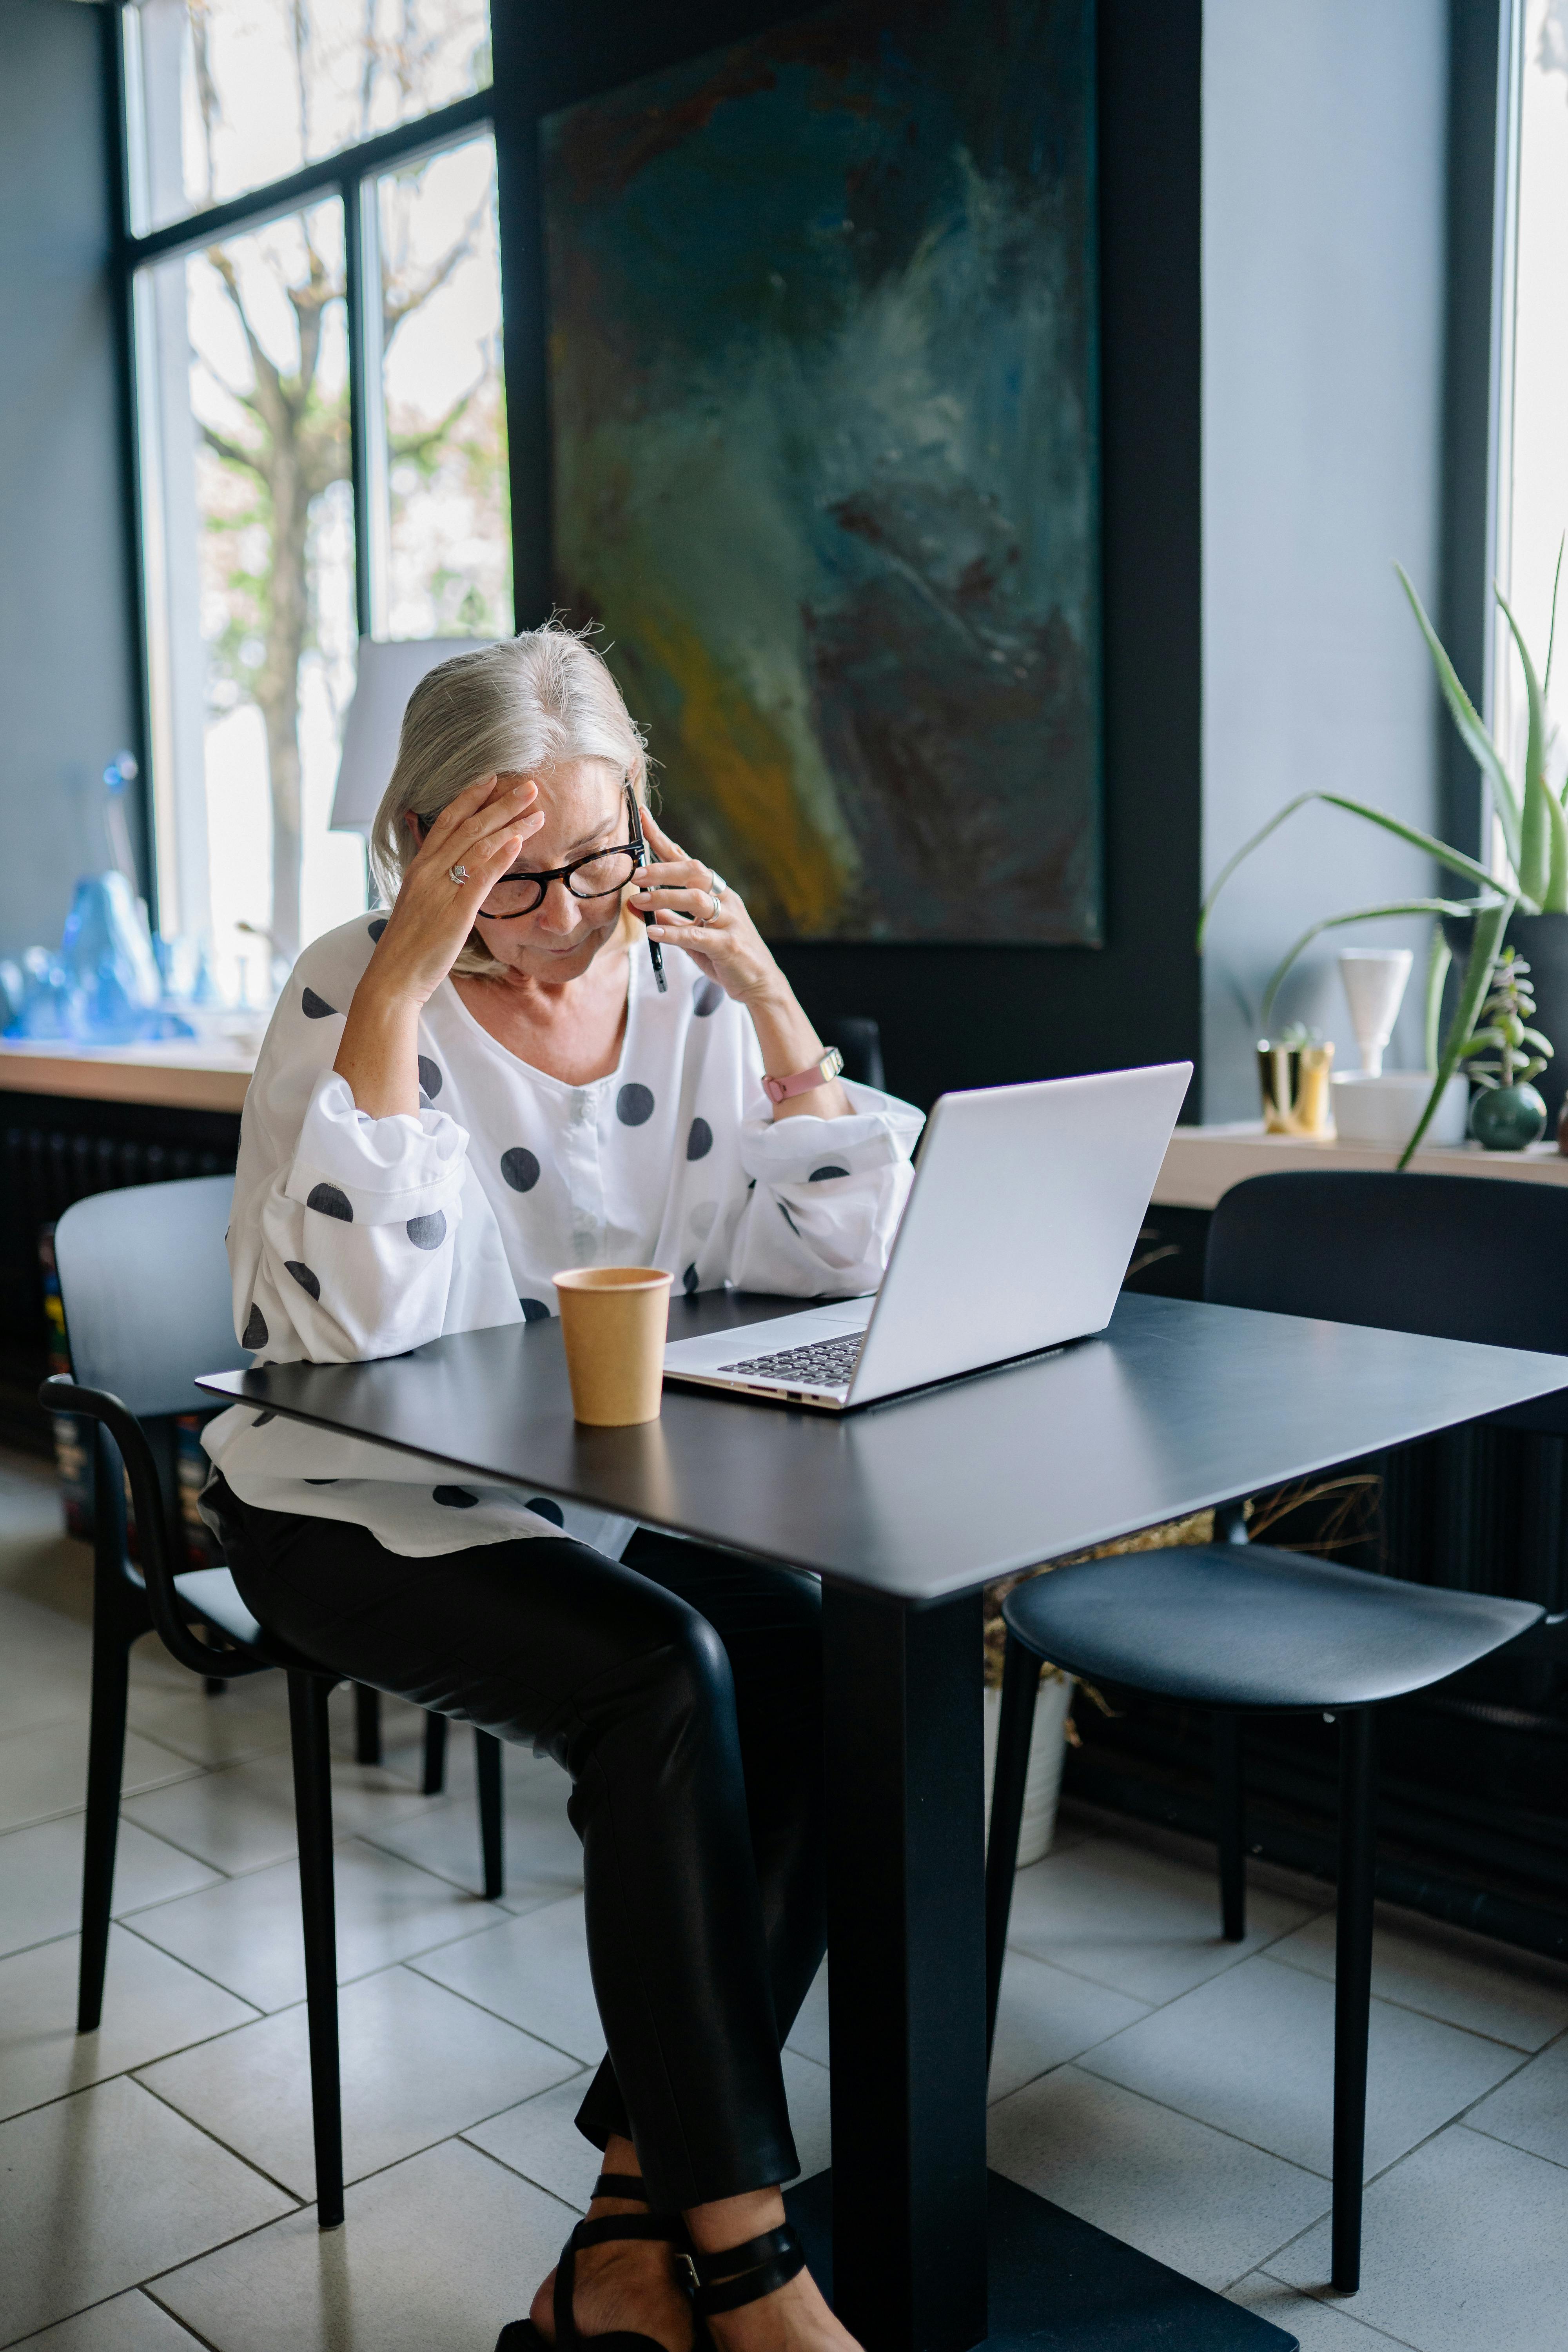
(1458, 1257)
(860, 1040)
(144, 1281)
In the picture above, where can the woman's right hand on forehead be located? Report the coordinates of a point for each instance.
(481, 830)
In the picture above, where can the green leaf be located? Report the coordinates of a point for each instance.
(1454, 859)
(1551, 632)
(1439, 956)
(1541, 1045)
(1542, 867)
(1359, 914)
(1486, 940)
(1472, 734)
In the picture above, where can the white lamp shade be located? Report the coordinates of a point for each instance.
(388, 674)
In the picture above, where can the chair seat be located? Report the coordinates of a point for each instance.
(214, 1595)
(1246, 1626)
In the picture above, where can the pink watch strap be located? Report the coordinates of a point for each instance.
(801, 1082)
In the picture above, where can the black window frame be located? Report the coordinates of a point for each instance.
(350, 174)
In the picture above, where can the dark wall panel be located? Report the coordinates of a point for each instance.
(66, 641)
(984, 1015)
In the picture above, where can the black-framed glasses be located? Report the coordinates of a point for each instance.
(600, 875)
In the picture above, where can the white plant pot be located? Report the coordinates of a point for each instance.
(1383, 1110)
(1042, 1783)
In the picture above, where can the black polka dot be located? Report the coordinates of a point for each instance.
(304, 1277)
(821, 1175)
(429, 1076)
(262, 1419)
(427, 1232)
(543, 1508)
(328, 1202)
(316, 1008)
(634, 1104)
(255, 1329)
(534, 1310)
(321, 1482)
(699, 1142)
(457, 1498)
(706, 998)
(520, 1168)
(688, 1280)
(377, 928)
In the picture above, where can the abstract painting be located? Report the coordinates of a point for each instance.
(823, 407)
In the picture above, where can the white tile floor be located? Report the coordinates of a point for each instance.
(156, 2175)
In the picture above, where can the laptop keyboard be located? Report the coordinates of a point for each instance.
(826, 1363)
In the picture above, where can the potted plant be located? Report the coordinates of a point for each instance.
(1533, 889)
(1507, 1114)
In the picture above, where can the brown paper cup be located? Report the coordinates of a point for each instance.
(614, 1318)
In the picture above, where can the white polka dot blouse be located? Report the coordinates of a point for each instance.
(355, 1237)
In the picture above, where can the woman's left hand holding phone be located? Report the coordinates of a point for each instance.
(482, 829)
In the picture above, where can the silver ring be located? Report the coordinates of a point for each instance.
(459, 874)
(717, 886)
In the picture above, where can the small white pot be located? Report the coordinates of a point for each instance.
(1383, 1110)
(1042, 1783)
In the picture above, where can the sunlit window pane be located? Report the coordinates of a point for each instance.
(243, 364)
(229, 95)
(1535, 484)
(444, 567)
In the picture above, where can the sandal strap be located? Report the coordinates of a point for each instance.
(624, 2185)
(670, 2227)
(743, 2274)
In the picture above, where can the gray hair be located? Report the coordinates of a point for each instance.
(522, 707)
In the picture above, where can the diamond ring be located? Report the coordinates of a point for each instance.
(459, 874)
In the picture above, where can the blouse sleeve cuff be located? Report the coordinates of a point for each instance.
(880, 1132)
(375, 1171)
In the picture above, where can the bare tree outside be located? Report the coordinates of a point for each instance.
(275, 435)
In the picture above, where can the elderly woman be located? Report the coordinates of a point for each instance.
(455, 1100)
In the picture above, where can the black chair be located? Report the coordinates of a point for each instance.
(860, 1040)
(145, 1286)
(1237, 1626)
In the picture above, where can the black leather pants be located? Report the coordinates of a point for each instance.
(681, 1690)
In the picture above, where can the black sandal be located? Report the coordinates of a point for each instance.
(743, 2274)
(521, 2336)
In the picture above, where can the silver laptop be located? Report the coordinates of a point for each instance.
(1025, 1210)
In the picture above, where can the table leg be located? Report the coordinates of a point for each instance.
(907, 1945)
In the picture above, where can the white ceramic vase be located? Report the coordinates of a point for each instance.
(1042, 1784)
(1375, 983)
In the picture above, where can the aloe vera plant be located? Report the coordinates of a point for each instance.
(1534, 828)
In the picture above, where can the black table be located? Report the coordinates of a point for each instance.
(908, 1509)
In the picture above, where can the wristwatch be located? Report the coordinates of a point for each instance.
(801, 1082)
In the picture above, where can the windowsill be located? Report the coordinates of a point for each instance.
(1204, 1163)
(184, 1074)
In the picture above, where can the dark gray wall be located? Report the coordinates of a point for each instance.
(1325, 142)
(67, 669)
(966, 1016)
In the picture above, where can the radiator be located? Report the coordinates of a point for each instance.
(43, 1170)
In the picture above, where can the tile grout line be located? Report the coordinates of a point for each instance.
(1391, 2001)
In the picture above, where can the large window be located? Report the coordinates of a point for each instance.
(1532, 505)
(316, 305)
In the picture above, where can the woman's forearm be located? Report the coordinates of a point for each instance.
(379, 1054)
(789, 1043)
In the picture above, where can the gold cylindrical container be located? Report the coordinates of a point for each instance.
(1295, 1081)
